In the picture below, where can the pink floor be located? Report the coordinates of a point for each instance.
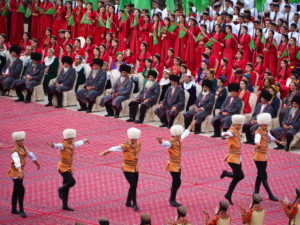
(101, 188)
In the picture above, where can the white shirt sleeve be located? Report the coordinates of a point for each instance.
(116, 149)
(32, 156)
(79, 143)
(185, 134)
(58, 146)
(227, 134)
(257, 138)
(15, 157)
(271, 138)
(166, 144)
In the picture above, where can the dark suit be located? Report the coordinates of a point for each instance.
(151, 94)
(250, 129)
(231, 107)
(206, 102)
(66, 81)
(123, 89)
(14, 69)
(98, 83)
(175, 99)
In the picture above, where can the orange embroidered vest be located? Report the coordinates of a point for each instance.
(234, 147)
(66, 157)
(260, 153)
(22, 152)
(131, 156)
(174, 163)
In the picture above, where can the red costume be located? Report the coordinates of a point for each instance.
(16, 23)
(77, 29)
(35, 23)
(79, 51)
(88, 29)
(230, 48)
(259, 46)
(239, 64)
(191, 46)
(270, 56)
(283, 75)
(292, 55)
(169, 62)
(260, 70)
(146, 29)
(160, 68)
(3, 19)
(46, 21)
(65, 42)
(100, 30)
(124, 30)
(180, 43)
(245, 98)
(217, 48)
(113, 25)
(281, 49)
(167, 42)
(135, 35)
(142, 58)
(155, 48)
(24, 44)
(89, 52)
(244, 41)
(224, 71)
(59, 21)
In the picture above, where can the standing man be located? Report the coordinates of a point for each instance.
(120, 92)
(93, 87)
(172, 103)
(64, 82)
(131, 150)
(147, 98)
(65, 165)
(174, 163)
(12, 69)
(233, 157)
(32, 77)
(16, 172)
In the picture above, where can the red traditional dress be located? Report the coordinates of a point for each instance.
(68, 15)
(175, 70)
(160, 68)
(35, 22)
(245, 98)
(113, 53)
(191, 46)
(168, 62)
(72, 55)
(244, 41)
(79, 51)
(89, 52)
(135, 35)
(59, 21)
(282, 49)
(3, 18)
(217, 48)
(16, 23)
(130, 60)
(124, 31)
(56, 50)
(142, 58)
(113, 24)
(45, 44)
(46, 21)
(88, 29)
(230, 48)
(180, 43)
(283, 75)
(155, 48)
(270, 56)
(292, 55)
(100, 29)
(259, 46)
(167, 42)
(239, 64)
(260, 69)
(223, 71)
(146, 29)
(77, 29)
(105, 57)
(65, 42)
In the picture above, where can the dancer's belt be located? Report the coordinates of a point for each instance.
(175, 159)
(131, 162)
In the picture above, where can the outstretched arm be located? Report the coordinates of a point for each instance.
(34, 159)
(59, 146)
(112, 149)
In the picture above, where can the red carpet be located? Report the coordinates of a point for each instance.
(101, 189)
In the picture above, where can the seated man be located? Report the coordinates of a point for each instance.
(12, 70)
(172, 103)
(202, 108)
(80, 70)
(262, 107)
(32, 77)
(120, 92)
(232, 105)
(93, 87)
(147, 98)
(64, 82)
(290, 124)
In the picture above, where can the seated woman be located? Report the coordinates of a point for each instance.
(52, 64)
(202, 72)
(245, 96)
(221, 93)
(175, 69)
(158, 65)
(89, 49)
(223, 69)
(275, 102)
(183, 71)
(189, 86)
(246, 77)
(129, 58)
(69, 52)
(211, 76)
(119, 61)
(104, 56)
(147, 68)
(164, 84)
(284, 72)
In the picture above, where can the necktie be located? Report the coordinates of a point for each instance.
(287, 18)
(239, 34)
(275, 16)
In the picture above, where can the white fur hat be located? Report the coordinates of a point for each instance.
(264, 119)
(176, 130)
(69, 133)
(18, 136)
(238, 119)
(134, 133)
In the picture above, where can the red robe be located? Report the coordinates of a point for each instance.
(146, 29)
(235, 79)
(217, 48)
(168, 62)
(270, 56)
(292, 54)
(245, 98)
(212, 62)
(180, 43)
(224, 71)
(281, 48)
(23, 45)
(124, 31)
(3, 19)
(46, 21)
(113, 53)
(45, 44)
(105, 57)
(260, 70)
(160, 68)
(239, 64)
(88, 29)
(142, 58)
(167, 42)
(113, 25)
(175, 70)
(155, 48)
(59, 21)
(16, 23)
(135, 36)
(230, 48)
(244, 41)
(130, 59)
(258, 48)
(191, 46)
(79, 51)
(283, 75)
(67, 17)
(89, 52)
(100, 31)
(77, 29)
(72, 55)
(35, 23)
(65, 42)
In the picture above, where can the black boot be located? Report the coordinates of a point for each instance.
(228, 197)
(289, 139)
(173, 197)
(82, 106)
(257, 185)
(197, 129)
(217, 129)
(14, 201)
(21, 201)
(50, 96)
(143, 110)
(59, 97)
(128, 201)
(268, 189)
(117, 113)
(66, 207)
(223, 174)
(90, 107)
(60, 193)
(109, 110)
(19, 94)
(164, 122)
(133, 107)
(279, 146)
(28, 97)
(170, 123)
(187, 121)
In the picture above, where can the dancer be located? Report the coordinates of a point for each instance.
(65, 165)
(174, 164)
(16, 172)
(233, 157)
(131, 149)
(260, 155)
(256, 213)
(221, 216)
(292, 210)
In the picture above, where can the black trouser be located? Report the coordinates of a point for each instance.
(19, 93)
(237, 175)
(132, 178)
(133, 108)
(176, 182)
(217, 127)
(59, 96)
(247, 130)
(18, 194)
(262, 177)
(110, 109)
(68, 182)
(86, 106)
